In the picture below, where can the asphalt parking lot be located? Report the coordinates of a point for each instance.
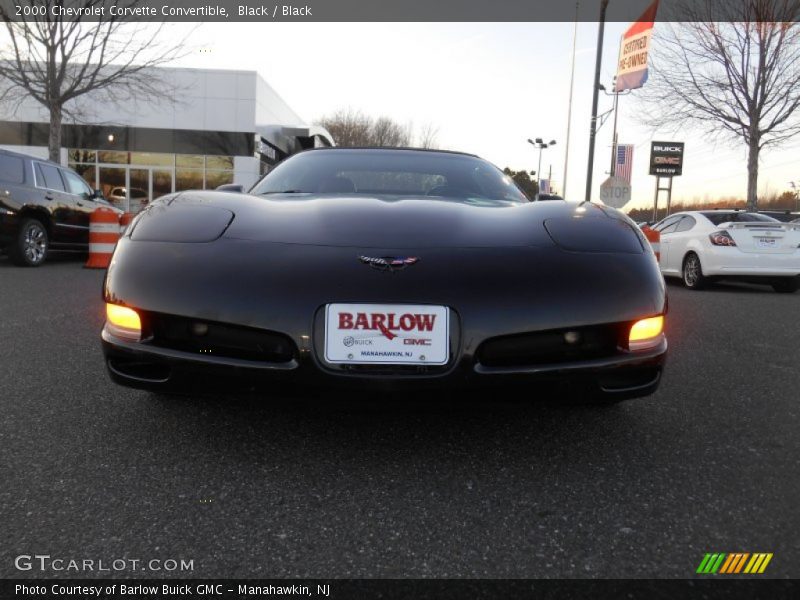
(315, 485)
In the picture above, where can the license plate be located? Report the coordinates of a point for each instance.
(766, 242)
(393, 334)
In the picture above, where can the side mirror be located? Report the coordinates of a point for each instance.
(98, 195)
(231, 187)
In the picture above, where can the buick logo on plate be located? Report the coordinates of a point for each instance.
(389, 263)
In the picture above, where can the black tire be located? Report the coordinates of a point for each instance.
(692, 272)
(786, 285)
(29, 248)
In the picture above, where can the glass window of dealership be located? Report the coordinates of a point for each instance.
(130, 180)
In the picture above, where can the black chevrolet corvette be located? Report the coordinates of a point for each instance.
(387, 266)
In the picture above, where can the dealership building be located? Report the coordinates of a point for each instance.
(213, 127)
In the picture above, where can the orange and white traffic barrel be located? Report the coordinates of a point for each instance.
(654, 237)
(103, 236)
(124, 221)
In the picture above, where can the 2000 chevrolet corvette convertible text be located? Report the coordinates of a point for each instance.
(383, 266)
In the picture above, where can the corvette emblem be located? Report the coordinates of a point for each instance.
(389, 263)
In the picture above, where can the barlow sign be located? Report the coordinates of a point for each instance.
(666, 158)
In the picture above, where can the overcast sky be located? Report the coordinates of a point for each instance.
(488, 87)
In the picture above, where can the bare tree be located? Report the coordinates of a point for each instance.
(386, 132)
(427, 136)
(732, 67)
(353, 128)
(348, 127)
(58, 60)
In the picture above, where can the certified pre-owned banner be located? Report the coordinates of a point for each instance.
(633, 51)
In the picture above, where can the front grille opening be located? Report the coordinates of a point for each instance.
(550, 347)
(219, 339)
(629, 379)
(142, 370)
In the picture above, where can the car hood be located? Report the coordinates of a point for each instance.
(378, 221)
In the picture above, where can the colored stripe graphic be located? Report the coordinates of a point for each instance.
(755, 562)
(727, 564)
(704, 564)
(734, 563)
(710, 563)
(741, 562)
(765, 563)
(758, 563)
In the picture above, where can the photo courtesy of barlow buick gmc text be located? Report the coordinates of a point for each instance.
(351, 300)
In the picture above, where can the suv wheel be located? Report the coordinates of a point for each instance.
(693, 277)
(786, 285)
(29, 249)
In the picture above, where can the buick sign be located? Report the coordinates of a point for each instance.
(666, 158)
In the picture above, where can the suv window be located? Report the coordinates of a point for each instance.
(76, 184)
(50, 178)
(686, 224)
(11, 169)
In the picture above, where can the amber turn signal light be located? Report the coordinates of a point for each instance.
(646, 333)
(123, 322)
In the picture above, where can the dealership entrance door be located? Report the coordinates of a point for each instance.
(151, 183)
(133, 188)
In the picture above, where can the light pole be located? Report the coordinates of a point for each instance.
(596, 89)
(541, 145)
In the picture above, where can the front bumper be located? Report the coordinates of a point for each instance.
(139, 365)
(492, 293)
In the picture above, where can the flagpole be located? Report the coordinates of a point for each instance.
(613, 169)
(569, 104)
(596, 85)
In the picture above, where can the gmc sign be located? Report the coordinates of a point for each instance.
(666, 159)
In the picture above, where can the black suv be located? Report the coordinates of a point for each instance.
(43, 206)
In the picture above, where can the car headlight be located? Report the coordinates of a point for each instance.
(123, 322)
(646, 333)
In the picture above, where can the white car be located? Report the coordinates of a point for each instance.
(699, 246)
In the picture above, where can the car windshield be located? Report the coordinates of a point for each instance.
(390, 172)
(718, 218)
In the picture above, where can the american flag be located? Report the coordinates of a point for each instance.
(544, 186)
(624, 164)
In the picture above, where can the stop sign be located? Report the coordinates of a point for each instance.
(615, 191)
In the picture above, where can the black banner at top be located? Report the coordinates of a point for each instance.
(398, 589)
(380, 10)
